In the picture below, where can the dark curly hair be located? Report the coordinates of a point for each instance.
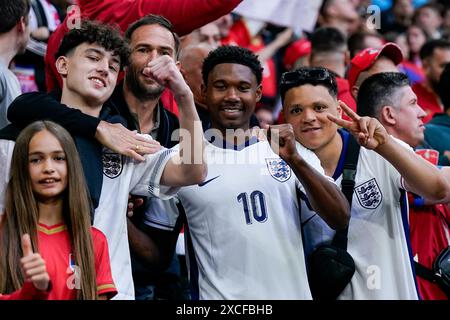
(94, 32)
(232, 54)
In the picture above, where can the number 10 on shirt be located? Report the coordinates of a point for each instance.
(257, 210)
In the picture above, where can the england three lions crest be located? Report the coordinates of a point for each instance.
(369, 194)
(112, 164)
(278, 169)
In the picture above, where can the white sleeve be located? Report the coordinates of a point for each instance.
(311, 158)
(397, 178)
(147, 175)
(6, 151)
(161, 214)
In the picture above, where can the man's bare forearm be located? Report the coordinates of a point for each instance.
(191, 139)
(420, 176)
(325, 197)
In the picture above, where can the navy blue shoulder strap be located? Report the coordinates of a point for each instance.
(348, 185)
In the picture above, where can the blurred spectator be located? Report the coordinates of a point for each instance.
(399, 17)
(235, 35)
(435, 54)
(437, 132)
(371, 61)
(297, 54)
(362, 40)
(429, 230)
(416, 37)
(446, 18)
(224, 23)
(191, 62)
(414, 73)
(384, 5)
(340, 14)
(30, 67)
(14, 35)
(400, 40)
(329, 50)
(429, 17)
(62, 6)
(209, 34)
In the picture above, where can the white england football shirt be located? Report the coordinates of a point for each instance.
(378, 236)
(121, 176)
(244, 224)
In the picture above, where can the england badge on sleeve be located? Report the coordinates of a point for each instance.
(112, 164)
(278, 169)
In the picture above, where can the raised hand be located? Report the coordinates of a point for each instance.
(164, 70)
(282, 141)
(33, 266)
(121, 140)
(259, 133)
(369, 132)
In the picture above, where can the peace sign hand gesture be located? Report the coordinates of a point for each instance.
(369, 132)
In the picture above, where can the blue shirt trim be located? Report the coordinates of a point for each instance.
(340, 167)
(220, 143)
(404, 210)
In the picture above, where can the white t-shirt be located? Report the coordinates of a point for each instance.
(244, 224)
(6, 152)
(9, 90)
(378, 236)
(121, 176)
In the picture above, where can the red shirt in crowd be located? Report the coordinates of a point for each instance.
(55, 248)
(345, 95)
(428, 239)
(427, 100)
(429, 232)
(27, 292)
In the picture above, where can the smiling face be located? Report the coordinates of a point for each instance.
(89, 75)
(47, 166)
(147, 43)
(305, 108)
(231, 95)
